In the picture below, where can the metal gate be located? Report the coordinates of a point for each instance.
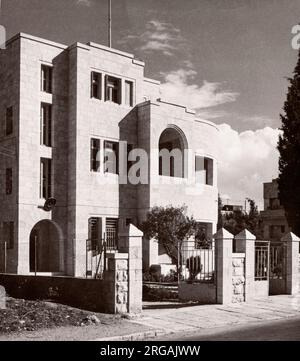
(261, 275)
(278, 268)
(262, 260)
(270, 267)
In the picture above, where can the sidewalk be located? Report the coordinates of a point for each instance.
(187, 319)
(162, 318)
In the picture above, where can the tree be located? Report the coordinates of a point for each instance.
(220, 217)
(236, 221)
(170, 226)
(253, 220)
(289, 150)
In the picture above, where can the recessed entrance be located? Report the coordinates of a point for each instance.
(45, 239)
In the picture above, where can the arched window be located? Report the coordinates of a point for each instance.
(172, 145)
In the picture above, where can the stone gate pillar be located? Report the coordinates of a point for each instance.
(245, 243)
(130, 241)
(116, 277)
(2, 298)
(223, 254)
(292, 262)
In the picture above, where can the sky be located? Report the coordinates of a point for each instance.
(227, 59)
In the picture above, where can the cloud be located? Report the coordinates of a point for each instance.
(159, 37)
(257, 120)
(83, 2)
(238, 121)
(212, 114)
(155, 45)
(246, 160)
(177, 88)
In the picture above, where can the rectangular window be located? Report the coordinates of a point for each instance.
(95, 233)
(95, 156)
(204, 170)
(111, 157)
(9, 121)
(45, 178)
(46, 124)
(111, 233)
(112, 89)
(8, 234)
(96, 79)
(8, 176)
(46, 78)
(129, 93)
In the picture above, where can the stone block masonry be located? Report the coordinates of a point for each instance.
(2, 298)
(77, 117)
(238, 277)
(89, 294)
(117, 275)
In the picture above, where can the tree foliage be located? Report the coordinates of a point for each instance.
(170, 226)
(289, 149)
(220, 223)
(236, 221)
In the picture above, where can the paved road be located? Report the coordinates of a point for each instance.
(286, 330)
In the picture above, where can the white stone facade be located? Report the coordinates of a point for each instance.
(76, 118)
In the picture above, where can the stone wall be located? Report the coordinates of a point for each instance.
(299, 271)
(89, 294)
(120, 290)
(109, 294)
(198, 292)
(238, 277)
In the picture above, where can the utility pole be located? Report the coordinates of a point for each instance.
(109, 23)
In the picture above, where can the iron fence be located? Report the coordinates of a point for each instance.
(95, 258)
(278, 259)
(261, 260)
(197, 265)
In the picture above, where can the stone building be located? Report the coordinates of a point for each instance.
(274, 222)
(61, 106)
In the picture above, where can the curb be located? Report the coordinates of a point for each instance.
(138, 336)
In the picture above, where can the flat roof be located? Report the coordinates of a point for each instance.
(64, 47)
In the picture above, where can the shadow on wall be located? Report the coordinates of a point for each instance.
(94, 295)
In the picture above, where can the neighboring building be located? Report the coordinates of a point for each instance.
(274, 223)
(231, 208)
(60, 106)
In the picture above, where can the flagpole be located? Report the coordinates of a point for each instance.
(109, 23)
